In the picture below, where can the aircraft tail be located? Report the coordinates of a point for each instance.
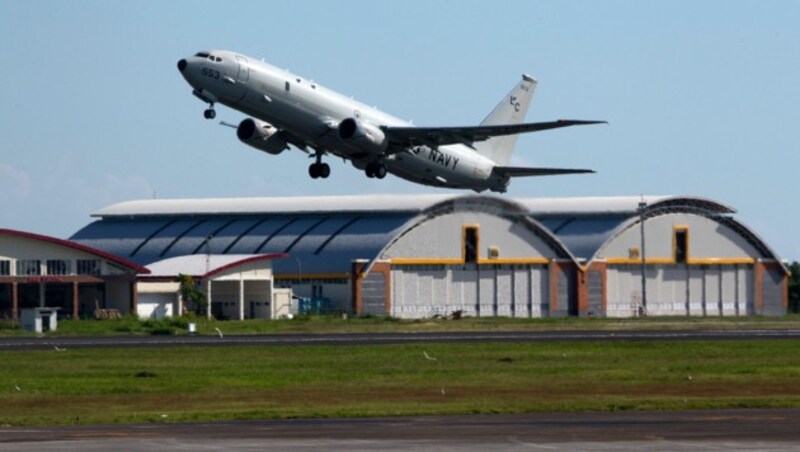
(510, 110)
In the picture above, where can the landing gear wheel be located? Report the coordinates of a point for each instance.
(380, 170)
(370, 170)
(210, 113)
(319, 170)
(324, 170)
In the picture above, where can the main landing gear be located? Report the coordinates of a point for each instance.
(318, 169)
(210, 113)
(376, 170)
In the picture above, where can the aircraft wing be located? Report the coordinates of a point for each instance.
(440, 136)
(516, 171)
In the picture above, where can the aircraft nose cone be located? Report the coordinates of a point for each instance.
(181, 65)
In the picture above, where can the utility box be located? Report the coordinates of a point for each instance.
(40, 320)
(281, 303)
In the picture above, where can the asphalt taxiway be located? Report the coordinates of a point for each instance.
(691, 430)
(50, 342)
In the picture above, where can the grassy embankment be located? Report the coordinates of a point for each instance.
(183, 384)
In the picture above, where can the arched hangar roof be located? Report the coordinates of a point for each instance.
(584, 225)
(323, 235)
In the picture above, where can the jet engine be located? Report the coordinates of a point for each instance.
(363, 134)
(261, 135)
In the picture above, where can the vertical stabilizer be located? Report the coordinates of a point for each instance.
(510, 110)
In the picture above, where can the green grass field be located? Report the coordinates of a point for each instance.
(255, 382)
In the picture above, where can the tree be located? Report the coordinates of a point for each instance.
(794, 287)
(191, 293)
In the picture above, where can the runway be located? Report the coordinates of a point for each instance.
(49, 342)
(694, 430)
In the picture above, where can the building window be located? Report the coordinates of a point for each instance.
(470, 245)
(27, 267)
(681, 245)
(5, 268)
(57, 267)
(88, 266)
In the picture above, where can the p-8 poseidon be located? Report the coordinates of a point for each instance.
(286, 109)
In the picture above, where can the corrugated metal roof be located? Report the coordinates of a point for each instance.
(281, 205)
(598, 205)
(317, 243)
(324, 234)
(605, 205)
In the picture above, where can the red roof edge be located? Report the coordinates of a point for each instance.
(76, 246)
(261, 257)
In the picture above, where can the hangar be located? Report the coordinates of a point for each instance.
(422, 256)
(41, 271)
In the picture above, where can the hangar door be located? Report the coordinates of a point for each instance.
(420, 291)
(373, 294)
(681, 289)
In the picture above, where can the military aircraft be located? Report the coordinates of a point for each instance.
(287, 109)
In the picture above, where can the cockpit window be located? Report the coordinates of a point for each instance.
(201, 55)
(217, 59)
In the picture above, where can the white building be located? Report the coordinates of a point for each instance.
(238, 286)
(41, 271)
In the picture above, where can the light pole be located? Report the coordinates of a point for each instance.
(299, 272)
(208, 268)
(643, 308)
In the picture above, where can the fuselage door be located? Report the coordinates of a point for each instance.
(244, 70)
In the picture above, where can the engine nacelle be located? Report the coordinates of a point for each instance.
(261, 135)
(363, 134)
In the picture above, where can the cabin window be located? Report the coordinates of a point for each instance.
(681, 245)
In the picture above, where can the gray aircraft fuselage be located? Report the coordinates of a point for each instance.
(290, 110)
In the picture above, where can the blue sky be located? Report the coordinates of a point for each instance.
(702, 97)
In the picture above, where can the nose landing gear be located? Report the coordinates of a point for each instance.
(208, 98)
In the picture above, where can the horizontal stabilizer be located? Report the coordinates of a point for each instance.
(516, 171)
